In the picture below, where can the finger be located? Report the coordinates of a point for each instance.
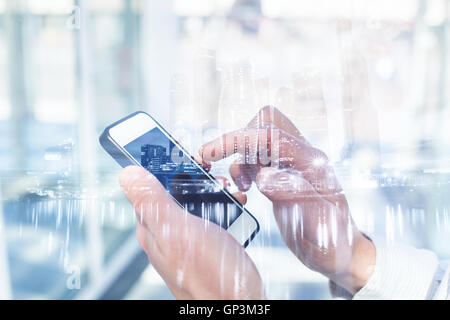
(241, 197)
(159, 213)
(197, 158)
(264, 146)
(156, 209)
(224, 182)
(271, 115)
(204, 164)
(241, 176)
(291, 186)
(286, 152)
(244, 142)
(284, 185)
(170, 226)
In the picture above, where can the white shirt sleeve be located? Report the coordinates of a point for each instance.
(404, 272)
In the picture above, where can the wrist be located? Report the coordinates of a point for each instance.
(361, 266)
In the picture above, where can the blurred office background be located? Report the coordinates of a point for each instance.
(365, 80)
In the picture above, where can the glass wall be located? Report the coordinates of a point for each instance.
(60, 86)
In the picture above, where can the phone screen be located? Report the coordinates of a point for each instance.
(189, 185)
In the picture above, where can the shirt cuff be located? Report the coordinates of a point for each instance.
(400, 272)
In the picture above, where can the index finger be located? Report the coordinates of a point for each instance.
(247, 142)
(273, 116)
(263, 146)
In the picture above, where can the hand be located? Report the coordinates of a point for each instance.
(309, 205)
(197, 259)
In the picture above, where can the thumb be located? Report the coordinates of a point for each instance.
(169, 226)
(284, 185)
(158, 212)
(137, 184)
(149, 198)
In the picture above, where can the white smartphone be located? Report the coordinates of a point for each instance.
(140, 140)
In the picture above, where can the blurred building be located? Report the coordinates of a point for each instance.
(153, 157)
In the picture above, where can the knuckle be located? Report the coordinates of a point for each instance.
(268, 110)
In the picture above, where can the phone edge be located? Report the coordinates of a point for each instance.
(109, 145)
